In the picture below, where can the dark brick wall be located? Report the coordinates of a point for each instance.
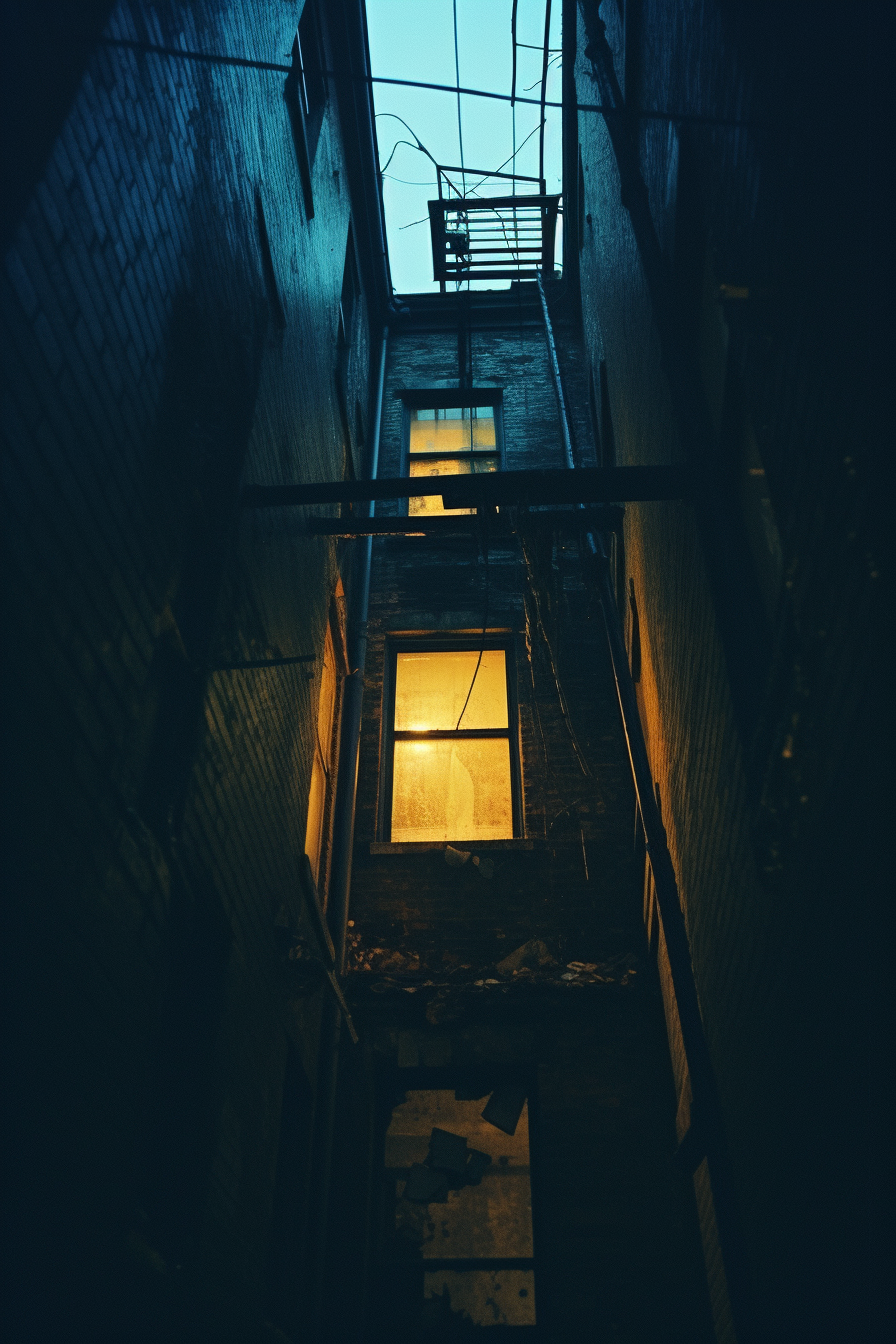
(156, 357)
(762, 732)
(156, 807)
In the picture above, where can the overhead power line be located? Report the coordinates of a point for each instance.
(696, 118)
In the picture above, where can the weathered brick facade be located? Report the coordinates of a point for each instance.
(150, 369)
(762, 720)
(194, 1150)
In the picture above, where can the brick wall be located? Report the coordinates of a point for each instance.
(422, 586)
(760, 735)
(148, 375)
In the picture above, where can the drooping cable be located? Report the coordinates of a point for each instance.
(417, 145)
(518, 150)
(536, 589)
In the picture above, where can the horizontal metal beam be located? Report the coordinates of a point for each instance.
(606, 519)
(588, 485)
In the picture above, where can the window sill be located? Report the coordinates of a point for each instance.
(426, 846)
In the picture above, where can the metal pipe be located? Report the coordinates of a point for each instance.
(514, 45)
(706, 1113)
(555, 372)
(341, 875)
(544, 83)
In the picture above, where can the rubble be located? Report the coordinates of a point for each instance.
(449, 987)
(426, 1185)
(504, 1107)
(449, 1164)
(531, 954)
(448, 1152)
(444, 1006)
(476, 1165)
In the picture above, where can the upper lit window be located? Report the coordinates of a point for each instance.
(450, 441)
(453, 757)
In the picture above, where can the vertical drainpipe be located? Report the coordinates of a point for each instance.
(340, 878)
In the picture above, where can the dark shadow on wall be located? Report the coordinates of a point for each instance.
(45, 46)
(208, 401)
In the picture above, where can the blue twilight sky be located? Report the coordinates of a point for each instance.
(414, 39)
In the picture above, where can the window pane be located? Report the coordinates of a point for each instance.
(456, 790)
(445, 466)
(452, 436)
(430, 690)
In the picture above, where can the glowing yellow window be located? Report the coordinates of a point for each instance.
(452, 771)
(450, 441)
(321, 788)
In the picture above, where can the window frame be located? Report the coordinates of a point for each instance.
(451, 643)
(349, 295)
(443, 399)
(306, 117)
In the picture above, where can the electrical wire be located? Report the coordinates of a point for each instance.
(531, 574)
(506, 161)
(418, 143)
(392, 155)
(405, 182)
(554, 61)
